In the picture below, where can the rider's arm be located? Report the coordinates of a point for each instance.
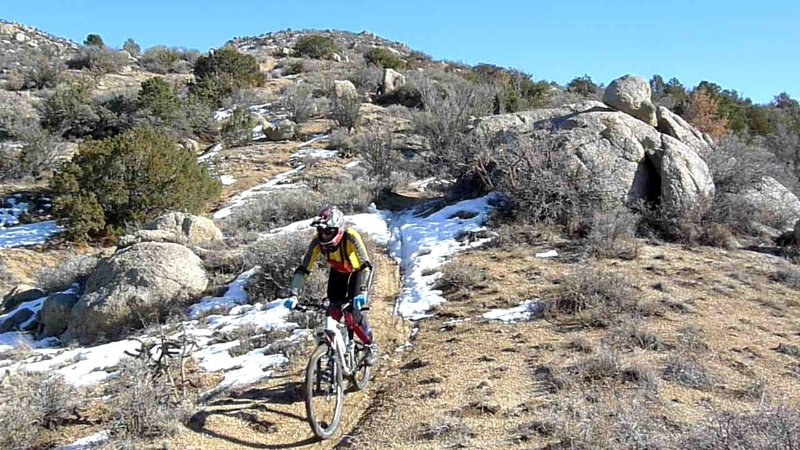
(306, 266)
(358, 251)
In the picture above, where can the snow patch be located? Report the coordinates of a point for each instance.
(314, 153)
(422, 244)
(227, 180)
(279, 182)
(235, 295)
(526, 310)
(30, 234)
(89, 442)
(547, 254)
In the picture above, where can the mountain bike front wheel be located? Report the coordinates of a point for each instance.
(324, 392)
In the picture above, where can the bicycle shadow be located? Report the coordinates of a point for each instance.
(246, 405)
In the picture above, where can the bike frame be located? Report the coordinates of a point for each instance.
(339, 342)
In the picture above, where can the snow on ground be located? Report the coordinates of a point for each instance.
(421, 245)
(235, 295)
(526, 310)
(30, 234)
(210, 154)
(279, 182)
(314, 153)
(13, 209)
(227, 180)
(89, 442)
(317, 138)
(33, 306)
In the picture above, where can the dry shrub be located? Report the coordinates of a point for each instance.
(600, 419)
(613, 235)
(278, 258)
(448, 108)
(31, 403)
(74, 270)
(144, 407)
(788, 276)
(298, 100)
(631, 335)
(688, 371)
(593, 297)
(462, 279)
(275, 209)
(345, 110)
(773, 427)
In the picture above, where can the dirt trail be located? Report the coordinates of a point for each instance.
(272, 414)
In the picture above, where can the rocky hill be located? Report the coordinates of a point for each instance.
(557, 266)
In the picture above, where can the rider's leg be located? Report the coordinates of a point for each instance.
(354, 288)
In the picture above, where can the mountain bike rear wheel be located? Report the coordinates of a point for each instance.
(363, 372)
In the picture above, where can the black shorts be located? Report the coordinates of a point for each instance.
(342, 288)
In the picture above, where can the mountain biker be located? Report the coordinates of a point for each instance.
(350, 271)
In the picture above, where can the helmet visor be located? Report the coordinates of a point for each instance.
(326, 234)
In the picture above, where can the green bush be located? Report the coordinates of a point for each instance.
(238, 129)
(66, 107)
(224, 71)
(126, 181)
(158, 100)
(158, 105)
(94, 40)
(384, 58)
(316, 46)
(132, 47)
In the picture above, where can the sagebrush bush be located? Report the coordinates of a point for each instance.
(316, 46)
(37, 70)
(142, 406)
(365, 77)
(448, 107)
(788, 276)
(613, 234)
(275, 209)
(593, 297)
(237, 130)
(277, 257)
(688, 371)
(770, 427)
(37, 402)
(161, 59)
(383, 58)
(345, 110)
(74, 270)
(376, 149)
(40, 151)
(298, 100)
(546, 184)
(516, 90)
(98, 61)
(221, 72)
(129, 180)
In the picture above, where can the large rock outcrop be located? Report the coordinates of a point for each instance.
(776, 200)
(55, 313)
(139, 283)
(676, 126)
(628, 159)
(631, 95)
(177, 228)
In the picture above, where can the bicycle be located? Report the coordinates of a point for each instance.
(338, 356)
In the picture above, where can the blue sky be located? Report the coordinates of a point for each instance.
(749, 46)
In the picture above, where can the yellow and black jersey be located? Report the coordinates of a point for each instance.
(348, 257)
